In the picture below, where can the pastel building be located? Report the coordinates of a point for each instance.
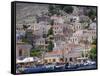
(59, 37)
(59, 45)
(41, 43)
(74, 52)
(93, 26)
(76, 26)
(41, 28)
(70, 54)
(83, 35)
(72, 18)
(43, 18)
(22, 49)
(91, 35)
(58, 29)
(57, 19)
(74, 39)
(88, 35)
(54, 56)
(19, 31)
(58, 24)
(83, 18)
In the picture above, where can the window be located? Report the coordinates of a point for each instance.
(92, 37)
(54, 60)
(71, 59)
(61, 59)
(45, 61)
(49, 60)
(20, 52)
(66, 60)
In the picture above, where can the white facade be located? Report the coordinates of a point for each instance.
(22, 49)
(41, 28)
(73, 18)
(40, 41)
(57, 19)
(58, 29)
(93, 26)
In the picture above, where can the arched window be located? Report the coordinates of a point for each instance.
(20, 52)
(54, 60)
(71, 59)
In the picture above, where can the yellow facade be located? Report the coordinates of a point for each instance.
(52, 59)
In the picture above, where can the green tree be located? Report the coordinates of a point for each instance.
(92, 54)
(35, 52)
(94, 41)
(51, 7)
(29, 37)
(86, 27)
(25, 40)
(52, 22)
(86, 43)
(50, 46)
(50, 39)
(82, 54)
(44, 35)
(54, 9)
(60, 7)
(68, 9)
(92, 14)
(50, 31)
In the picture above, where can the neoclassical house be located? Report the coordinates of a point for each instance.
(57, 19)
(22, 49)
(41, 28)
(54, 56)
(58, 24)
(82, 35)
(58, 29)
(70, 53)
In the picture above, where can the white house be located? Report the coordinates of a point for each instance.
(41, 28)
(22, 49)
(93, 26)
(57, 19)
(85, 35)
(58, 29)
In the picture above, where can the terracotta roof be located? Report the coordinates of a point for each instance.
(72, 45)
(55, 52)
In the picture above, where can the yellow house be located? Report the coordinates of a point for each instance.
(54, 56)
(70, 54)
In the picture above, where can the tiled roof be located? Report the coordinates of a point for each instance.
(57, 52)
(72, 45)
